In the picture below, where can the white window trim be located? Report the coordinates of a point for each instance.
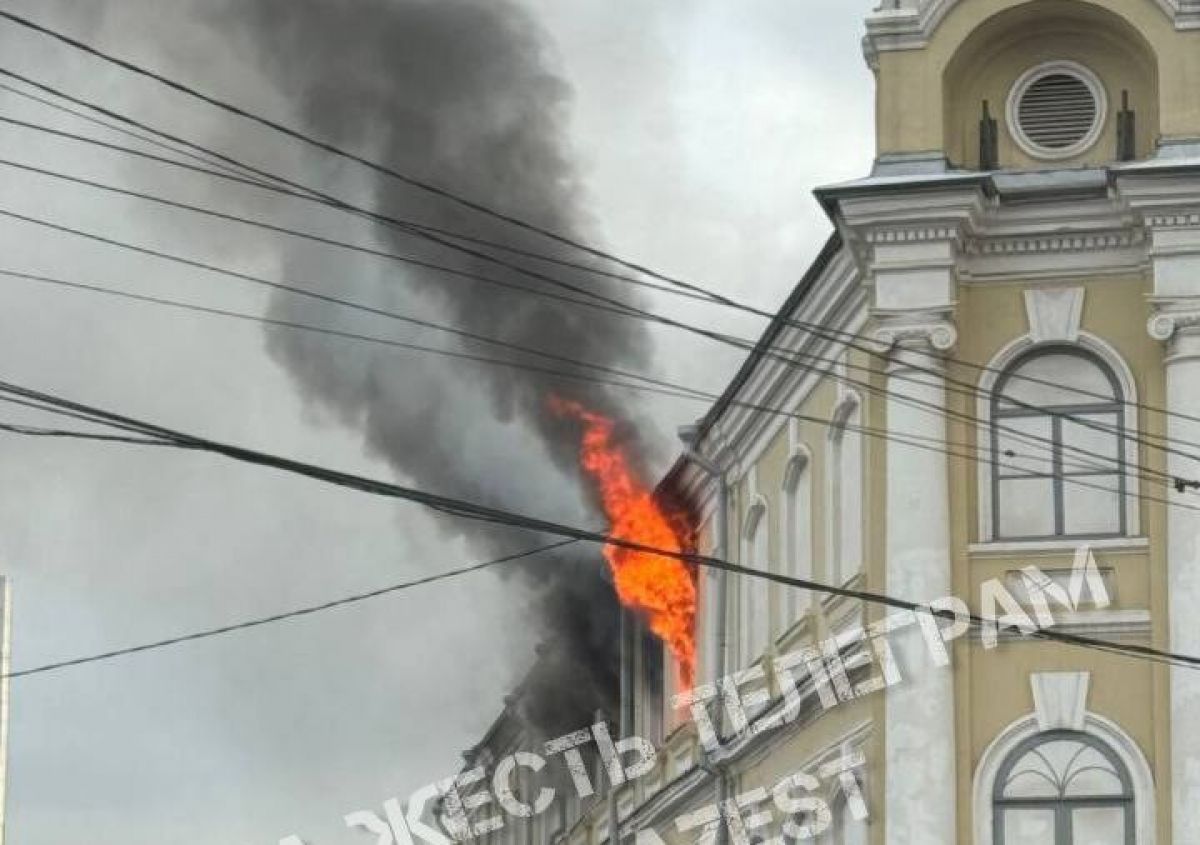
(798, 471)
(1012, 114)
(1096, 726)
(983, 413)
(848, 402)
(1006, 548)
(757, 519)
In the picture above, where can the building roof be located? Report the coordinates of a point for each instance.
(833, 245)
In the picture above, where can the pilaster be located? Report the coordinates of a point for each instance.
(909, 245)
(1170, 208)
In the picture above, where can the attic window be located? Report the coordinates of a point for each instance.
(1056, 110)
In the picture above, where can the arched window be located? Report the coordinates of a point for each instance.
(797, 490)
(1060, 788)
(845, 474)
(754, 592)
(1058, 465)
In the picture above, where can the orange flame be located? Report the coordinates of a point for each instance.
(662, 589)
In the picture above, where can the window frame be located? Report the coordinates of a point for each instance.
(845, 432)
(798, 535)
(1063, 806)
(754, 594)
(1056, 414)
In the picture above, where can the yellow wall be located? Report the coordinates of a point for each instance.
(992, 687)
(929, 99)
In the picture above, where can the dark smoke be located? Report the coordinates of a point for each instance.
(458, 93)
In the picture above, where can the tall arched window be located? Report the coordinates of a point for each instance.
(1058, 466)
(1061, 788)
(845, 474)
(754, 592)
(797, 491)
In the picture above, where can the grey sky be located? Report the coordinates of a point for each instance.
(699, 129)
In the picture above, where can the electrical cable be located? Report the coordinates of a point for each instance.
(308, 610)
(498, 516)
(652, 385)
(317, 143)
(787, 356)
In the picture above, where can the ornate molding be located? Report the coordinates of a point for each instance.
(1060, 699)
(911, 234)
(1176, 218)
(1054, 313)
(1166, 325)
(1185, 13)
(910, 24)
(1037, 244)
(940, 334)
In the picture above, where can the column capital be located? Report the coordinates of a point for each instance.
(1171, 320)
(1178, 325)
(922, 332)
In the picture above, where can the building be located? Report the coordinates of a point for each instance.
(996, 361)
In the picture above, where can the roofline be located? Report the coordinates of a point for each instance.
(833, 246)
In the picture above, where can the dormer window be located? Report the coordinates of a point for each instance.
(1057, 110)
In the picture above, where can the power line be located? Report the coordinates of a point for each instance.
(212, 168)
(652, 385)
(409, 180)
(386, 170)
(406, 179)
(472, 510)
(954, 385)
(604, 303)
(36, 431)
(287, 615)
(218, 170)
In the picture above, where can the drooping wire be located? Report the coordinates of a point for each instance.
(484, 513)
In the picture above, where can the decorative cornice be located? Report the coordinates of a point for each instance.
(1117, 624)
(1173, 219)
(1186, 13)
(910, 24)
(1036, 244)
(911, 234)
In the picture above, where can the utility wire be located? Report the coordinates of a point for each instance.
(36, 431)
(212, 168)
(604, 303)
(652, 385)
(291, 614)
(297, 189)
(276, 126)
(404, 178)
(484, 513)
(615, 306)
(386, 170)
(789, 357)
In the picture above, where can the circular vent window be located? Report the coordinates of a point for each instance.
(1056, 110)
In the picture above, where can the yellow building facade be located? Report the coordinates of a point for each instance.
(1031, 229)
(993, 363)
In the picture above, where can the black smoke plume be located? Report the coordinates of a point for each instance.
(461, 94)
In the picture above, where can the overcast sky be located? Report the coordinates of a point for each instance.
(698, 129)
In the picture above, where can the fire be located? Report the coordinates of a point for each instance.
(662, 589)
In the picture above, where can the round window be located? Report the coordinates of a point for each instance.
(1056, 110)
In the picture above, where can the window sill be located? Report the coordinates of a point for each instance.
(1006, 548)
